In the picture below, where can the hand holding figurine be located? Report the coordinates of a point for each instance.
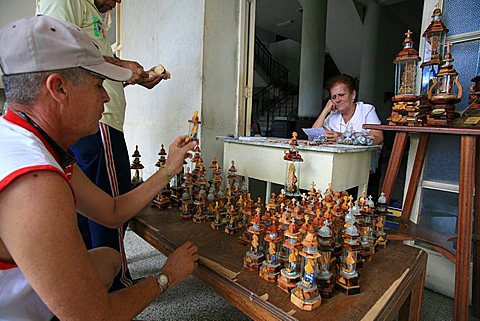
(177, 151)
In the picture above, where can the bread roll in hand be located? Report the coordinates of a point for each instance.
(159, 70)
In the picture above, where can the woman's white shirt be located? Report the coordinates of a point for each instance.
(364, 114)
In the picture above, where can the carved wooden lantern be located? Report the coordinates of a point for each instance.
(406, 71)
(434, 36)
(445, 91)
(405, 110)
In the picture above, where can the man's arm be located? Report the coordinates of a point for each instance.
(38, 228)
(140, 76)
(95, 204)
(42, 238)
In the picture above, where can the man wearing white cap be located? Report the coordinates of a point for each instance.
(53, 76)
(103, 156)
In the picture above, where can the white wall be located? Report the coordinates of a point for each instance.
(11, 11)
(196, 40)
(169, 32)
(220, 75)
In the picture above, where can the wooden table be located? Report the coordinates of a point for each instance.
(344, 166)
(467, 206)
(391, 284)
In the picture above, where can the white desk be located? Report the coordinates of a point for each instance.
(344, 166)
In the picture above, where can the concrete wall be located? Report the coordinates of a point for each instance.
(169, 32)
(220, 75)
(196, 40)
(287, 53)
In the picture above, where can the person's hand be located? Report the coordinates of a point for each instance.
(330, 106)
(139, 74)
(153, 78)
(177, 152)
(332, 135)
(181, 263)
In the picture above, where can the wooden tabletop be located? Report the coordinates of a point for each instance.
(424, 129)
(386, 281)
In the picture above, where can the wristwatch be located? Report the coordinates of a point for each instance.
(162, 280)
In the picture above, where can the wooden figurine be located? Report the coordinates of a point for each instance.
(210, 206)
(194, 122)
(231, 221)
(326, 279)
(306, 295)
(379, 232)
(217, 223)
(271, 265)
(186, 213)
(199, 216)
(254, 257)
(290, 274)
(136, 167)
(232, 174)
(347, 279)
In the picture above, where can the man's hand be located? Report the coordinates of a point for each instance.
(153, 78)
(177, 151)
(139, 74)
(181, 263)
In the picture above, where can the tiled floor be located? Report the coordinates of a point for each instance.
(192, 300)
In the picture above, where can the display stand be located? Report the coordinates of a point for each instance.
(468, 205)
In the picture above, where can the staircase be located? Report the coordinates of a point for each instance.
(275, 106)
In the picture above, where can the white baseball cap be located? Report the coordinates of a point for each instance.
(42, 43)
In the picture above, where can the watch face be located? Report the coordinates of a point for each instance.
(163, 281)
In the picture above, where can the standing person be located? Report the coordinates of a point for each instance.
(103, 156)
(342, 112)
(53, 76)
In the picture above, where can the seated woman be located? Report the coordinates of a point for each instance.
(342, 112)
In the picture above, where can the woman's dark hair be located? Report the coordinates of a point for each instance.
(341, 79)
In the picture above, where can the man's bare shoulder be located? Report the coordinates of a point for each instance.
(36, 189)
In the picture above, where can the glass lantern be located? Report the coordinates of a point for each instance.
(446, 88)
(406, 71)
(136, 168)
(292, 169)
(435, 36)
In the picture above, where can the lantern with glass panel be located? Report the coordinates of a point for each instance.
(434, 43)
(404, 110)
(445, 91)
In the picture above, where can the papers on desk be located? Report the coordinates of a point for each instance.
(314, 133)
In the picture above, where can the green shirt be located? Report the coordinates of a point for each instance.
(84, 14)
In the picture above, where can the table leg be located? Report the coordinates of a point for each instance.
(476, 240)
(464, 225)
(268, 192)
(415, 176)
(394, 163)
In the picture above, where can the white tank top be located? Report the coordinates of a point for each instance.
(23, 150)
